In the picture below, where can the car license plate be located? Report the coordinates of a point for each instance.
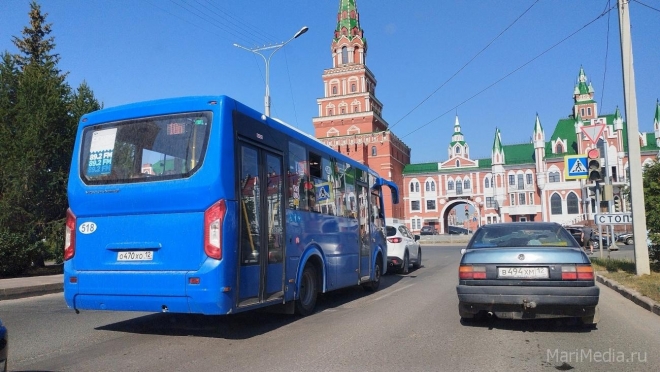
(135, 256)
(522, 272)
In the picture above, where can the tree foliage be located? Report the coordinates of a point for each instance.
(38, 121)
(652, 205)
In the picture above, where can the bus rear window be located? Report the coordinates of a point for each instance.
(146, 149)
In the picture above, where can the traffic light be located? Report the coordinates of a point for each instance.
(594, 165)
(617, 204)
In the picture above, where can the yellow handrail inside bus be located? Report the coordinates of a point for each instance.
(245, 216)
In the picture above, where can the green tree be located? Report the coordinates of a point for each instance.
(39, 115)
(8, 89)
(652, 205)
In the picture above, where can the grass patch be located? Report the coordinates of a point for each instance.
(624, 272)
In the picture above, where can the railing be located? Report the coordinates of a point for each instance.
(445, 239)
(576, 220)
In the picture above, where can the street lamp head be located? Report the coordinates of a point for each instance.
(302, 31)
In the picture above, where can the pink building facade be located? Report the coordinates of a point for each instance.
(529, 181)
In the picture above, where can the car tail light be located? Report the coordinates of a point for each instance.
(568, 273)
(578, 272)
(585, 272)
(213, 218)
(471, 272)
(70, 236)
(394, 240)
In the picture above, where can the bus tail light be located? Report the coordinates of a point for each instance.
(70, 236)
(213, 218)
(469, 272)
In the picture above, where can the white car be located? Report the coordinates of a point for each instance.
(403, 249)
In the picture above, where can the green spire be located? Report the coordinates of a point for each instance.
(617, 114)
(537, 126)
(497, 144)
(582, 87)
(657, 111)
(348, 18)
(457, 137)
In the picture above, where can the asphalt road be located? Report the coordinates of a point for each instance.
(410, 324)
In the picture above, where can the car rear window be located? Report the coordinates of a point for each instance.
(534, 235)
(391, 230)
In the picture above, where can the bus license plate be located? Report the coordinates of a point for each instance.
(522, 272)
(135, 256)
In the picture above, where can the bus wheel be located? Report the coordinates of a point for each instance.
(373, 285)
(307, 300)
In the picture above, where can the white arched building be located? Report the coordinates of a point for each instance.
(525, 182)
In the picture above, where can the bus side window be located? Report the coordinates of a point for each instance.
(298, 177)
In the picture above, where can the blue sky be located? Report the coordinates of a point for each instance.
(137, 50)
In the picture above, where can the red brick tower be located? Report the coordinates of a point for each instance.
(349, 118)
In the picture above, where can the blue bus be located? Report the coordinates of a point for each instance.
(203, 205)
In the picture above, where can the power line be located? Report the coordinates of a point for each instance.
(238, 33)
(176, 16)
(512, 72)
(465, 65)
(239, 23)
(648, 6)
(232, 26)
(293, 101)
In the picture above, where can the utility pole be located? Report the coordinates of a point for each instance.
(642, 264)
(600, 227)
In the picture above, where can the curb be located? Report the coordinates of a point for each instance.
(630, 294)
(29, 291)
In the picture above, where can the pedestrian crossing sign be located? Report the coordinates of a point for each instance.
(575, 167)
(322, 192)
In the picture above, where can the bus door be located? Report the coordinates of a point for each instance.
(365, 233)
(261, 250)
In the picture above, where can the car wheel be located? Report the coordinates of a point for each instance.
(630, 241)
(307, 300)
(595, 244)
(418, 263)
(405, 266)
(374, 284)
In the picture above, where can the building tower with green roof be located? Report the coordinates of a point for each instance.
(497, 168)
(349, 114)
(539, 157)
(583, 98)
(458, 146)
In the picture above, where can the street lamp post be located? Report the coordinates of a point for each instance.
(276, 47)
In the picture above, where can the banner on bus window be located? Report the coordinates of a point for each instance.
(100, 152)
